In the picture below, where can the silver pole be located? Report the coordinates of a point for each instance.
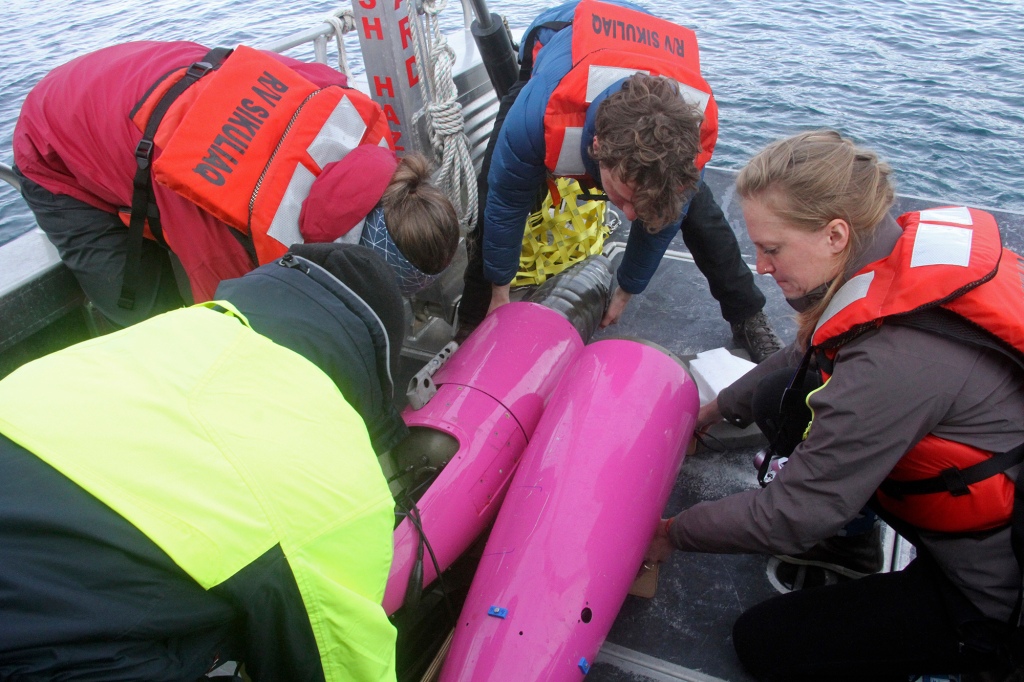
(483, 15)
(7, 175)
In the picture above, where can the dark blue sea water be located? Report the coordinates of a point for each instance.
(937, 86)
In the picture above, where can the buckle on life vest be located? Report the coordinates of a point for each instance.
(143, 153)
(953, 478)
(198, 69)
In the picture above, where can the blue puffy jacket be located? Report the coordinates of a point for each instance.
(517, 167)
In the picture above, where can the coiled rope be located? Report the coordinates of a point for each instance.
(343, 21)
(445, 122)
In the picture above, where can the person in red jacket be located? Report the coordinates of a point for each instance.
(201, 148)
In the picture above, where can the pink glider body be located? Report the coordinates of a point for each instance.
(577, 519)
(491, 394)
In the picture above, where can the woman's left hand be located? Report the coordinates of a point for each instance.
(661, 546)
(708, 416)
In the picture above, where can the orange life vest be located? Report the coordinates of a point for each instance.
(246, 142)
(610, 42)
(952, 258)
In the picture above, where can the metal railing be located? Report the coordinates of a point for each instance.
(8, 176)
(320, 36)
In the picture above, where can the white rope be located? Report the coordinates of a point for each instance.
(445, 122)
(343, 21)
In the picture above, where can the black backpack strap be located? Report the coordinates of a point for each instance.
(526, 67)
(594, 194)
(1015, 639)
(793, 398)
(955, 480)
(948, 324)
(247, 243)
(143, 204)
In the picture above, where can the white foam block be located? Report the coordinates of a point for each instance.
(713, 370)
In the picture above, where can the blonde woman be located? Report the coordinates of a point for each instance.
(907, 396)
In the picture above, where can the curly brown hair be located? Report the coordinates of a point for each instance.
(650, 137)
(419, 216)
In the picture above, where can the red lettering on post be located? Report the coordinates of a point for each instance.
(374, 26)
(395, 125)
(367, 4)
(410, 72)
(396, 135)
(404, 31)
(381, 86)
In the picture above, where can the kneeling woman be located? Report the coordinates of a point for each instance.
(914, 330)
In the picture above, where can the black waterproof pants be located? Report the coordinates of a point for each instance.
(882, 627)
(93, 244)
(712, 243)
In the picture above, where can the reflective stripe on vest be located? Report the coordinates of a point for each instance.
(951, 258)
(342, 132)
(252, 142)
(610, 43)
(942, 255)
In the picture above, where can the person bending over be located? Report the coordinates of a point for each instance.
(641, 139)
(203, 486)
(159, 169)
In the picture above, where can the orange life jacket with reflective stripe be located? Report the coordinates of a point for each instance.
(950, 258)
(247, 141)
(610, 42)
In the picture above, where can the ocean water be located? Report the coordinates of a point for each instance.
(936, 87)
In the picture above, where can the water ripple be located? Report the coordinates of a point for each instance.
(934, 86)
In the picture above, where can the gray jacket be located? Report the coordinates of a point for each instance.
(889, 388)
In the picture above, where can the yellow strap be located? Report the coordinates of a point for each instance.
(558, 236)
(807, 401)
(227, 308)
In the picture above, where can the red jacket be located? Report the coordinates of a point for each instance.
(75, 137)
(950, 258)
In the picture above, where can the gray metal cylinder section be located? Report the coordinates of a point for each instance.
(8, 176)
(500, 59)
(580, 294)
